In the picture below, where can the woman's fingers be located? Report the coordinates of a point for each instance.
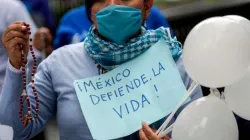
(166, 138)
(13, 34)
(16, 41)
(149, 132)
(142, 135)
(17, 27)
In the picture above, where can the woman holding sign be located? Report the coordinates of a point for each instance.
(117, 36)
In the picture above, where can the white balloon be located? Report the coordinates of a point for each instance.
(6, 132)
(237, 97)
(245, 23)
(207, 118)
(217, 52)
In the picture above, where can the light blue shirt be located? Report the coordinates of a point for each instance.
(57, 96)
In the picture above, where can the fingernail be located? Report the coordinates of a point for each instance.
(142, 123)
(23, 27)
(26, 24)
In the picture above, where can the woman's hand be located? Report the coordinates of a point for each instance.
(146, 133)
(43, 40)
(15, 36)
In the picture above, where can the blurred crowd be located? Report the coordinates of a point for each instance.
(57, 23)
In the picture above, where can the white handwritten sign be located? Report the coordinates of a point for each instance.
(144, 89)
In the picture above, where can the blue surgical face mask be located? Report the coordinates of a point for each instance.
(118, 23)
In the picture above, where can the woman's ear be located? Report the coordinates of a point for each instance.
(147, 6)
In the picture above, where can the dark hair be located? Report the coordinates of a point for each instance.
(88, 5)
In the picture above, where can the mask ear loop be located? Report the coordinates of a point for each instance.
(145, 24)
(142, 7)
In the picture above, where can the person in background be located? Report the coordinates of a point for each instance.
(41, 13)
(54, 79)
(75, 25)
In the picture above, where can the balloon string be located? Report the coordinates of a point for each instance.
(168, 130)
(161, 131)
(192, 85)
(174, 40)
